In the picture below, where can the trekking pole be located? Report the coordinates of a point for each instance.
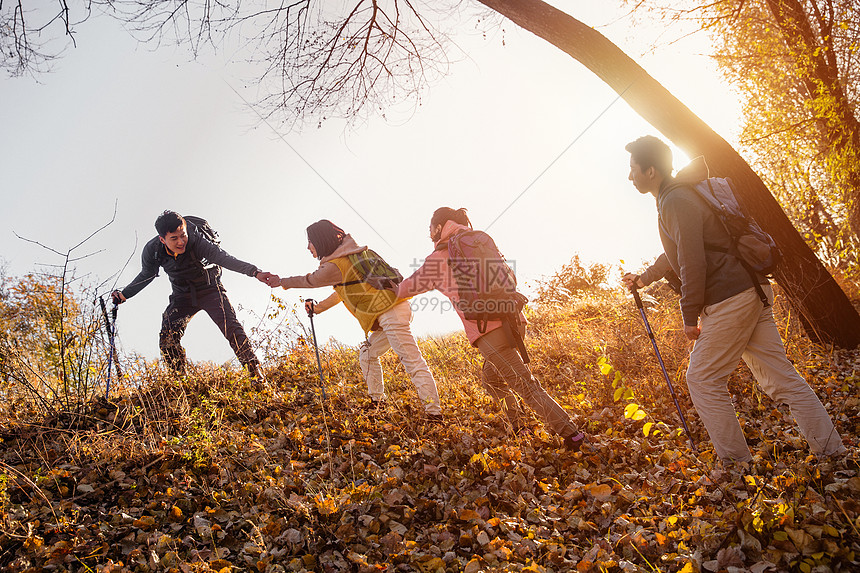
(635, 290)
(310, 310)
(110, 326)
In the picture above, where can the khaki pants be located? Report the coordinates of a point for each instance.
(740, 327)
(396, 334)
(504, 370)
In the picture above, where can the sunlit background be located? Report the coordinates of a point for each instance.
(517, 129)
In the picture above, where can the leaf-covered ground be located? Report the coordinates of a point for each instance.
(208, 475)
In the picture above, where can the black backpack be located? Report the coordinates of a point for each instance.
(202, 226)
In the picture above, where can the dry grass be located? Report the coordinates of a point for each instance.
(179, 451)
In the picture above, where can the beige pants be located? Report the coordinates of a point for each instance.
(396, 334)
(741, 327)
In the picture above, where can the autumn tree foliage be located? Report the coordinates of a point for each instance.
(571, 280)
(51, 345)
(796, 64)
(800, 81)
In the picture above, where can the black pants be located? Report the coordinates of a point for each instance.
(214, 301)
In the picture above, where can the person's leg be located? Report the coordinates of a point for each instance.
(218, 307)
(498, 389)
(368, 357)
(174, 321)
(765, 356)
(726, 329)
(497, 349)
(395, 325)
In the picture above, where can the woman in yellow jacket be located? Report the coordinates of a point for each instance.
(383, 317)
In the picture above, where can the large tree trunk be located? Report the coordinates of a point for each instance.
(824, 309)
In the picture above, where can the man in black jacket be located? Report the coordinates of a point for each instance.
(193, 264)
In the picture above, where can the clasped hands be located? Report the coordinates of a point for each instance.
(270, 279)
(274, 281)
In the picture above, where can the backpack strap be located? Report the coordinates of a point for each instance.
(353, 262)
(509, 324)
(363, 265)
(750, 271)
(755, 282)
(733, 251)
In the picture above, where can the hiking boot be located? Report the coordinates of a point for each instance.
(573, 442)
(434, 419)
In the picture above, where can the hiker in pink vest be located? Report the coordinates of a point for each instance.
(503, 369)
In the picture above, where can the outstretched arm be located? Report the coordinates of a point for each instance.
(327, 275)
(148, 271)
(208, 250)
(428, 277)
(323, 305)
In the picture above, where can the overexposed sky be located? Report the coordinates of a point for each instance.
(120, 123)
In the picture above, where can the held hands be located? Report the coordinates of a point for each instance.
(269, 279)
(263, 276)
(274, 281)
(117, 298)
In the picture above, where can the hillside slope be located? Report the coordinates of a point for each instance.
(207, 474)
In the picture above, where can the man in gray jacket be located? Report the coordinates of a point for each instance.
(721, 309)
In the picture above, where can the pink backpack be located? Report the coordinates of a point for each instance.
(486, 284)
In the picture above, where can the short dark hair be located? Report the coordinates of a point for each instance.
(168, 222)
(325, 236)
(649, 151)
(444, 214)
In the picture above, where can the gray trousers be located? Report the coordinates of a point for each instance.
(505, 371)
